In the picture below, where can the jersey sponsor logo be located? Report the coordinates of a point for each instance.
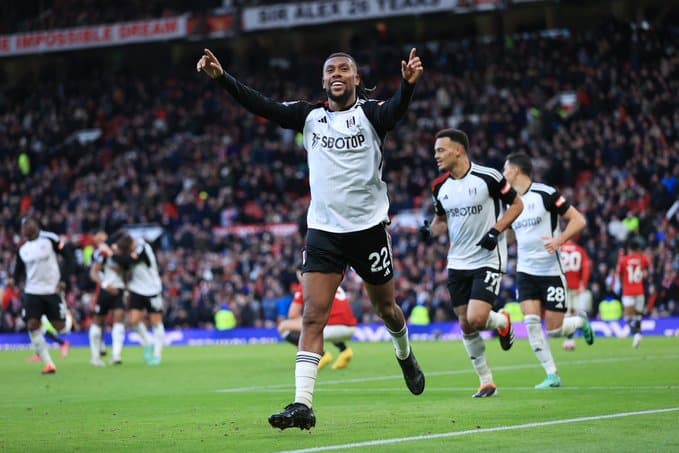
(464, 211)
(527, 223)
(323, 120)
(560, 201)
(339, 143)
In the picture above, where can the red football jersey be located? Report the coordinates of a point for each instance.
(576, 264)
(340, 313)
(632, 271)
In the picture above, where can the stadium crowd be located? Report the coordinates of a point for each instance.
(32, 15)
(102, 150)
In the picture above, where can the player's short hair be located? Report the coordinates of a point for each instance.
(342, 54)
(455, 135)
(522, 161)
(124, 242)
(30, 227)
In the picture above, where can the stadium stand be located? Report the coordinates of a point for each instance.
(597, 109)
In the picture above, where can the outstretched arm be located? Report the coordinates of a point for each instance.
(384, 116)
(288, 115)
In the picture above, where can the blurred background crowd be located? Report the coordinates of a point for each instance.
(110, 146)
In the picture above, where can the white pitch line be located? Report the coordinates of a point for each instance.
(321, 383)
(374, 443)
(472, 390)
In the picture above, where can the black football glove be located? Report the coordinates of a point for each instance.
(425, 232)
(489, 240)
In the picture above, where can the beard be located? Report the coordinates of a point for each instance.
(340, 99)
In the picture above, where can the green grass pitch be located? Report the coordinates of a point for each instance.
(219, 399)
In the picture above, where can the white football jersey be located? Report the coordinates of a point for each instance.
(112, 274)
(345, 171)
(542, 206)
(38, 259)
(145, 277)
(344, 151)
(472, 206)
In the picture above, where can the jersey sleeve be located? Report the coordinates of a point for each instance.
(57, 244)
(298, 299)
(19, 269)
(385, 114)
(289, 115)
(499, 188)
(142, 254)
(555, 202)
(435, 187)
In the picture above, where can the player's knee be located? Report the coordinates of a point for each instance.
(312, 322)
(387, 310)
(476, 323)
(33, 324)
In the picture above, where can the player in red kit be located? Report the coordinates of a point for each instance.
(633, 268)
(339, 329)
(577, 266)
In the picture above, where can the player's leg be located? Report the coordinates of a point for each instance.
(571, 324)
(633, 313)
(118, 334)
(532, 291)
(319, 291)
(475, 345)
(485, 288)
(95, 336)
(369, 254)
(51, 333)
(156, 317)
(460, 288)
(539, 342)
(96, 331)
(572, 302)
(34, 307)
(137, 322)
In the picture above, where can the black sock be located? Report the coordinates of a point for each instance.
(53, 337)
(341, 346)
(292, 338)
(636, 325)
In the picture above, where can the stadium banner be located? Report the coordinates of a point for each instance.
(324, 11)
(202, 27)
(277, 229)
(93, 36)
(445, 331)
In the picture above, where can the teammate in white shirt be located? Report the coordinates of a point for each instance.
(107, 273)
(347, 217)
(145, 288)
(541, 284)
(469, 201)
(38, 265)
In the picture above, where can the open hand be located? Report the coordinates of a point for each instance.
(413, 69)
(209, 64)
